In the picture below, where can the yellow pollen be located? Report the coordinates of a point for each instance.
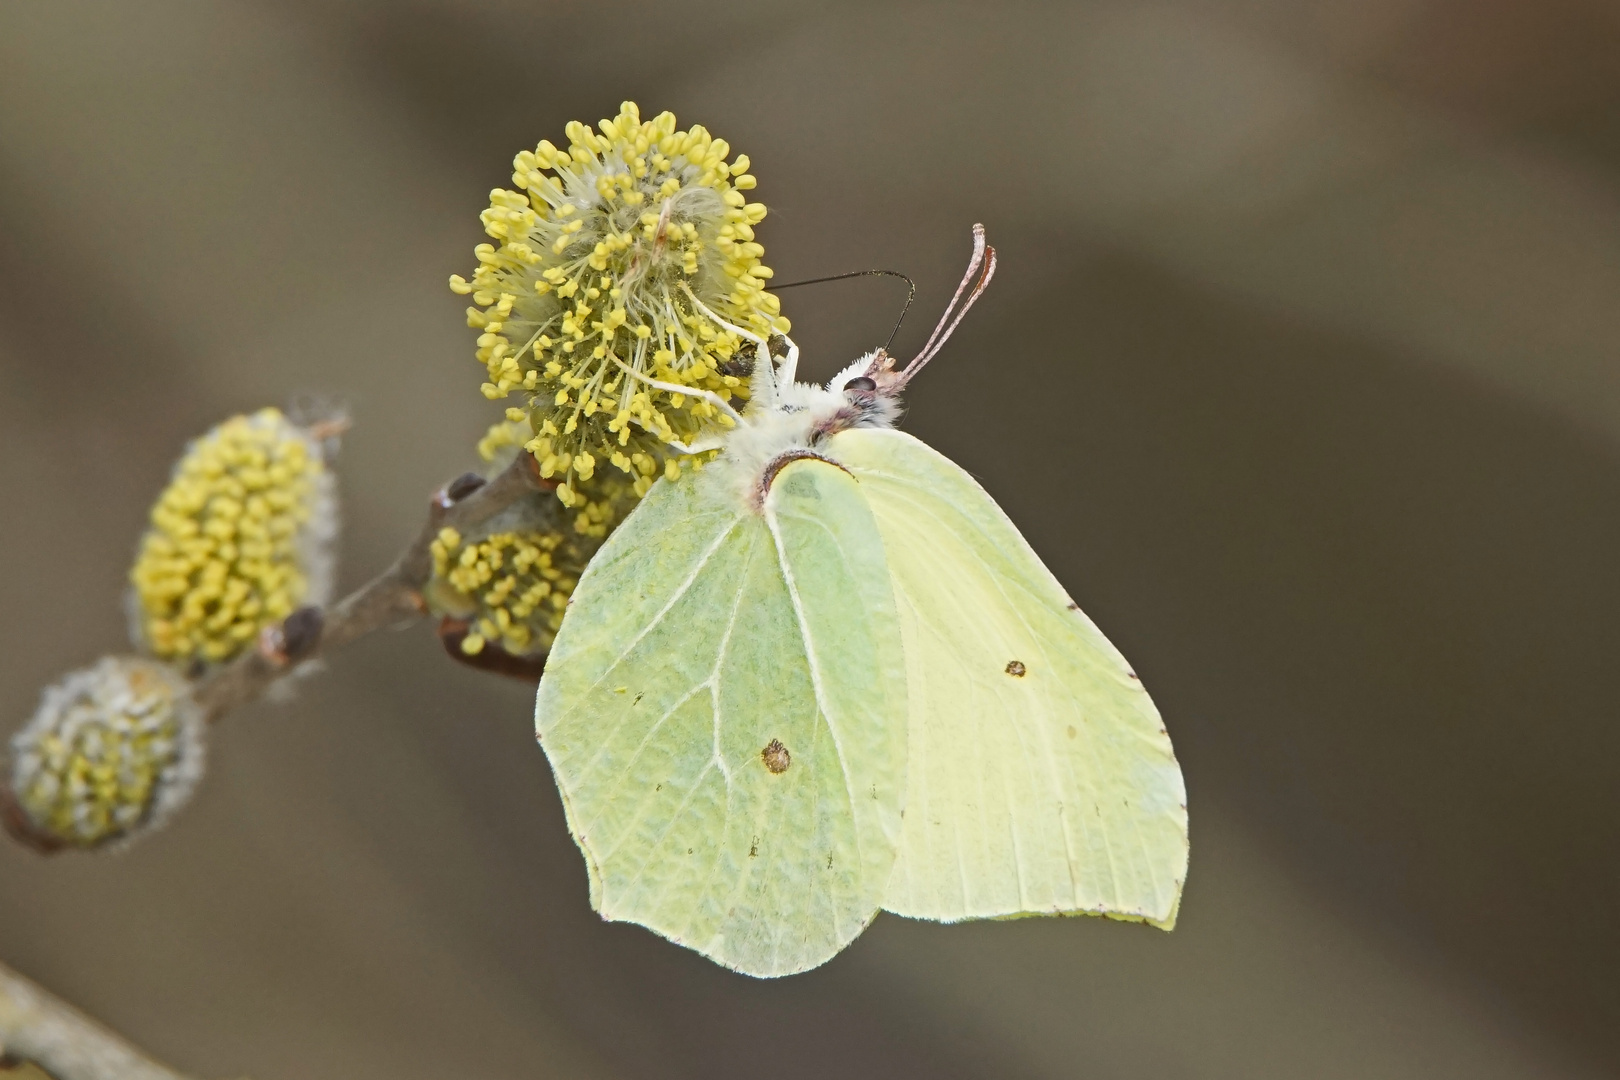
(652, 218)
(235, 541)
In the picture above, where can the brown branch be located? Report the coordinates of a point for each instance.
(391, 598)
(39, 1027)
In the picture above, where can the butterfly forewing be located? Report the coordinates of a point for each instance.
(724, 709)
(1040, 777)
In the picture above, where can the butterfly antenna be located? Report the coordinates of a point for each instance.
(910, 296)
(983, 255)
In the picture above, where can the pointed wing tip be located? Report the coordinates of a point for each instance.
(1166, 924)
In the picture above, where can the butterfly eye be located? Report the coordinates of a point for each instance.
(860, 382)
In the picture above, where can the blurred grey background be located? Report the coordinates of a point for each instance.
(1300, 371)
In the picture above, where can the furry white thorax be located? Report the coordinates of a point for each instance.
(785, 416)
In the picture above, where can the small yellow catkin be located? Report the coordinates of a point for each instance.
(112, 752)
(240, 538)
(596, 503)
(511, 581)
(511, 587)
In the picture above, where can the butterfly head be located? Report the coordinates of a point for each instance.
(789, 417)
(872, 385)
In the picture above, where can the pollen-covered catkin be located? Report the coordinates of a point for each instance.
(511, 581)
(599, 501)
(113, 750)
(512, 587)
(622, 260)
(241, 537)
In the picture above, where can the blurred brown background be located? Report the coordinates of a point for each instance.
(1300, 370)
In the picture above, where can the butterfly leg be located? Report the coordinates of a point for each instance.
(701, 446)
(790, 363)
(735, 329)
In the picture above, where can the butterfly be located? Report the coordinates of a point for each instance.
(826, 676)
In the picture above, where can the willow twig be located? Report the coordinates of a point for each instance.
(391, 598)
(38, 1027)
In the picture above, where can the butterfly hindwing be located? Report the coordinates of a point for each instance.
(1041, 779)
(724, 709)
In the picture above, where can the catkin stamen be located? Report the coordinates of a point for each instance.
(631, 247)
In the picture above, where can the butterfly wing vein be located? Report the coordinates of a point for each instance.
(698, 636)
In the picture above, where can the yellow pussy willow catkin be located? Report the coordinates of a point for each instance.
(238, 540)
(113, 750)
(624, 259)
(512, 587)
